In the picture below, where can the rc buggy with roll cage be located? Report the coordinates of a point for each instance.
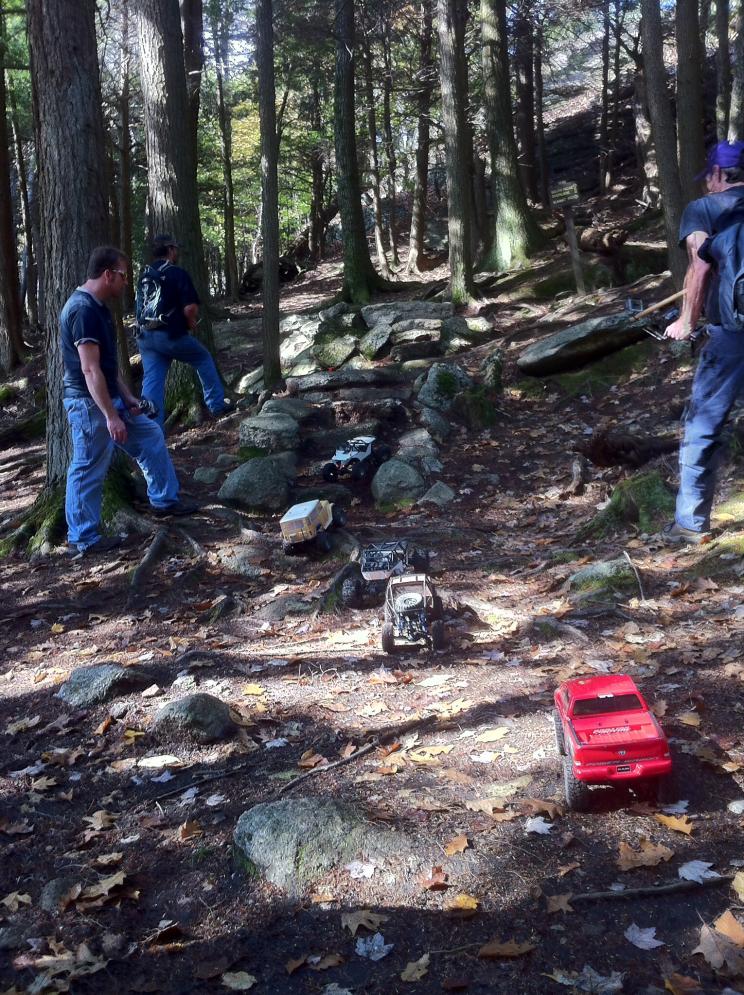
(379, 562)
(413, 611)
(359, 458)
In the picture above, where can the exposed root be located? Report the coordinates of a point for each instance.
(148, 561)
(39, 528)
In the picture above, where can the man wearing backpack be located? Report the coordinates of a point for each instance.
(710, 231)
(102, 411)
(167, 313)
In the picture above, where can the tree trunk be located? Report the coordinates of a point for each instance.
(387, 125)
(514, 233)
(125, 154)
(31, 275)
(221, 36)
(690, 136)
(736, 109)
(316, 171)
(374, 167)
(11, 312)
(523, 68)
(360, 278)
(171, 173)
(542, 149)
(192, 20)
(662, 131)
(723, 69)
(454, 96)
(425, 80)
(72, 181)
(644, 146)
(614, 131)
(604, 96)
(269, 191)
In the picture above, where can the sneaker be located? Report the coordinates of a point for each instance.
(674, 535)
(228, 408)
(178, 509)
(105, 545)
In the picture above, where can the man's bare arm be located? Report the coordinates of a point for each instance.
(90, 363)
(696, 279)
(191, 314)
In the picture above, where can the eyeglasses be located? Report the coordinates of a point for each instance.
(122, 273)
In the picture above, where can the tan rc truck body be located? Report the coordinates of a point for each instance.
(308, 523)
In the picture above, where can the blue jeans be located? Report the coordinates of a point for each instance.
(92, 450)
(719, 379)
(158, 352)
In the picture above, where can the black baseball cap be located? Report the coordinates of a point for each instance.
(165, 239)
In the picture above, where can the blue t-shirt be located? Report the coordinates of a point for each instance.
(178, 292)
(85, 319)
(702, 215)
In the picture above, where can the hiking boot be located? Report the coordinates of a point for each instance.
(104, 545)
(675, 535)
(178, 509)
(228, 408)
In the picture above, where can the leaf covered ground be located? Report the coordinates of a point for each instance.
(149, 895)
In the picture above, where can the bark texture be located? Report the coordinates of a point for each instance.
(374, 165)
(72, 181)
(736, 108)
(425, 81)
(723, 68)
(525, 87)
(11, 313)
(221, 35)
(690, 98)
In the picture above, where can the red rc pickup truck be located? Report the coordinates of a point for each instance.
(606, 734)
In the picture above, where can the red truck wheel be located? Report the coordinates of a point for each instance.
(577, 793)
(558, 730)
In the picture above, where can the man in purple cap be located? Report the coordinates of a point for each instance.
(720, 374)
(165, 334)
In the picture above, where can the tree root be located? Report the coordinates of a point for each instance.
(361, 752)
(148, 561)
(650, 891)
(39, 528)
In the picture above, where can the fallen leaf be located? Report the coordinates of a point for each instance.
(589, 980)
(416, 969)
(493, 735)
(681, 984)
(719, 950)
(462, 903)
(649, 855)
(689, 719)
(567, 868)
(310, 759)
(362, 918)
(317, 963)
(437, 880)
(508, 948)
(22, 725)
(14, 900)
(737, 884)
(558, 903)
(101, 819)
(103, 888)
(697, 870)
(109, 859)
(295, 963)
(253, 689)
(436, 681)
(189, 830)
(536, 806)
(730, 926)
(456, 845)
(238, 981)
(333, 706)
(132, 735)
(157, 763)
(15, 828)
(679, 825)
(43, 783)
(538, 825)
(643, 938)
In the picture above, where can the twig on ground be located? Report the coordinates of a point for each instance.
(650, 890)
(152, 553)
(362, 751)
(196, 782)
(199, 551)
(637, 575)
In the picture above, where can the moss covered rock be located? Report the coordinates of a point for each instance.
(645, 500)
(604, 577)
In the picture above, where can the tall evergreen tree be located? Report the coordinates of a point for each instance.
(11, 313)
(690, 97)
(425, 87)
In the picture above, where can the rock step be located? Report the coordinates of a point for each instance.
(577, 345)
(361, 395)
(339, 379)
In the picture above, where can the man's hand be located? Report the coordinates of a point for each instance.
(679, 329)
(116, 428)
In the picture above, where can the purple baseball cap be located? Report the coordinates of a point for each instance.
(723, 154)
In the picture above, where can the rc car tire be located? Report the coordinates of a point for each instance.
(323, 542)
(339, 516)
(351, 592)
(437, 607)
(420, 561)
(359, 471)
(387, 638)
(666, 790)
(289, 549)
(330, 472)
(382, 453)
(577, 793)
(438, 635)
(558, 730)
(388, 613)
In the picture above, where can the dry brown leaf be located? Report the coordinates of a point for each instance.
(348, 751)
(689, 719)
(730, 926)
(22, 725)
(310, 759)
(719, 950)
(737, 884)
(324, 962)
(104, 726)
(238, 981)
(189, 830)
(680, 824)
(456, 845)
(505, 948)
(295, 963)
(14, 900)
(493, 735)
(536, 806)
(416, 969)
(253, 690)
(567, 868)
(333, 706)
(559, 903)
(649, 855)
(43, 783)
(681, 984)
(461, 903)
(101, 819)
(109, 859)
(103, 888)
(362, 918)
(437, 880)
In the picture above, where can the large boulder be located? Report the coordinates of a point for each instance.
(573, 347)
(303, 364)
(272, 432)
(435, 423)
(439, 494)
(492, 370)
(419, 325)
(337, 379)
(603, 577)
(470, 329)
(394, 311)
(377, 339)
(443, 382)
(200, 717)
(343, 315)
(420, 349)
(260, 484)
(326, 442)
(88, 686)
(397, 482)
(296, 407)
(292, 842)
(419, 450)
(332, 350)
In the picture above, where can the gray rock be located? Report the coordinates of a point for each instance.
(374, 343)
(605, 575)
(573, 347)
(342, 313)
(415, 334)
(358, 362)
(295, 407)
(456, 344)
(333, 351)
(439, 494)
(380, 376)
(259, 484)
(250, 382)
(394, 311)
(471, 329)
(436, 424)
(443, 382)
(422, 349)
(326, 442)
(226, 460)
(200, 717)
(11, 937)
(89, 686)
(304, 364)
(361, 395)
(295, 344)
(127, 522)
(54, 892)
(272, 432)
(292, 842)
(395, 482)
(492, 370)
(241, 560)
(420, 325)
(206, 474)
(287, 463)
(292, 323)
(417, 446)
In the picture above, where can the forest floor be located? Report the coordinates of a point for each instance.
(474, 772)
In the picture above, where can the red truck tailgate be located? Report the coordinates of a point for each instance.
(610, 732)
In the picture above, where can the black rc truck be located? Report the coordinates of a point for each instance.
(413, 611)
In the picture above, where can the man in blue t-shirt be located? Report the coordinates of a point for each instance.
(102, 411)
(720, 374)
(179, 314)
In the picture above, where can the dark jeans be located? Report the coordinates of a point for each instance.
(158, 351)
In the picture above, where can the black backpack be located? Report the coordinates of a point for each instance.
(725, 250)
(150, 304)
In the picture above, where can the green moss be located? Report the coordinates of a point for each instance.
(389, 507)
(476, 407)
(531, 387)
(447, 384)
(8, 392)
(597, 378)
(246, 453)
(644, 500)
(731, 510)
(722, 556)
(563, 282)
(564, 556)
(118, 490)
(43, 523)
(242, 863)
